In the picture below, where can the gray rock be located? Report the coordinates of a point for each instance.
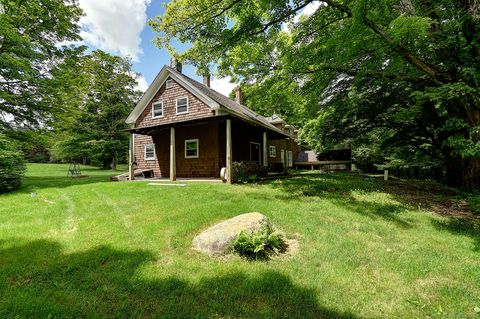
(218, 238)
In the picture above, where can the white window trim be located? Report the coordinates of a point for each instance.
(167, 82)
(259, 152)
(282, 156)
(153, 109)
(145, 153)
(176, 105)
(274, 148)
(198, 148)
(289, 158)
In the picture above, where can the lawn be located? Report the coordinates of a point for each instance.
(367, 249)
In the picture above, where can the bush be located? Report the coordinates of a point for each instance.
(12, 166)
(474, 202)
(248, 172)
(261, 244)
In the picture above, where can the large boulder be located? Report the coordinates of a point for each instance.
(218, 238)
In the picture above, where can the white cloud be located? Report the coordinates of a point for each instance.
(142, 84)
(114, 25)
(308, 11)
(222, 85)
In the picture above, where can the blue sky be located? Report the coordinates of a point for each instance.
(120, 27)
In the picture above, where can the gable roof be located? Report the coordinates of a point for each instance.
(209, 96)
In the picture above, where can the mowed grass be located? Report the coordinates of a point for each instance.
(92, 248)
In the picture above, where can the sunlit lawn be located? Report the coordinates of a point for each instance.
(92, 248)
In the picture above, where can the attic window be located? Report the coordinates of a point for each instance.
(182, 105)
(169, 84)
(157, 109)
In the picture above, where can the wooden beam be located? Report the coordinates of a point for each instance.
(173, 162)
(265, 149)
(131, 168)
(229, 151)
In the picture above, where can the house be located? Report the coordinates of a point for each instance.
(181, 127)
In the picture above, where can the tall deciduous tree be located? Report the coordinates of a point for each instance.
(31, 37)
(425, 53)
(92, 126)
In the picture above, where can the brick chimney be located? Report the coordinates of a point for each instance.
(238, 95)
(176, 65)
(206, 80)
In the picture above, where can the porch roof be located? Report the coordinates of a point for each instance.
(153, 129)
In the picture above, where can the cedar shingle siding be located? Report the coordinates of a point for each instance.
(196, 108)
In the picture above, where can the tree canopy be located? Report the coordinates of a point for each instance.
(400, 73)
(33, 35)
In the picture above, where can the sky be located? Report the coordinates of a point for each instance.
(120, 27)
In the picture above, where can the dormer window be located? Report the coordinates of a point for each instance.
(169, 84)
(157, 109)
(182, 105)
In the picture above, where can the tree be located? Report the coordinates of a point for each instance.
(12, 166)
(92, 129)
(31, 37)
(425, 53)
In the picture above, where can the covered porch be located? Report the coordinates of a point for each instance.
(199, 148)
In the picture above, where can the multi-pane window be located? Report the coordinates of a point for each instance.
(191, 148)
(273, 151)
(157, 109)
(149, 152)
(182, 105)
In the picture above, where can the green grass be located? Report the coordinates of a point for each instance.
(92, 248)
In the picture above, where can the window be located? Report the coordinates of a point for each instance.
(182, 105)
(289, 158)
(254, 152)
(273, 151)
(150, 152)
(157, 109)
(282, 156)
(169, 84)
(191, 148)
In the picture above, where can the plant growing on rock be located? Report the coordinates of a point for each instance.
(261, 244)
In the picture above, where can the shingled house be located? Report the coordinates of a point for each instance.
(184, 128)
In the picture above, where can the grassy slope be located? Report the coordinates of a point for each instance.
(93, 248)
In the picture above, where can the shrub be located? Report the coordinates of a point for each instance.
(474, 202)
(260, 244)
(247, 172)
(12, 166)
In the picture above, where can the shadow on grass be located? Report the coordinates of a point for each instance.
(338, 188)
(38, 280)
(461, 226)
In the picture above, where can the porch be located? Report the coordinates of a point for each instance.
(198, 149)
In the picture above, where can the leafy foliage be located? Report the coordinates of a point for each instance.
(399, 77)
(260, 244)
(247, 172)
(31, 51)
(92, 129)
(12, 166)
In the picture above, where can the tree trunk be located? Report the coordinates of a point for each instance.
(106, 164)
(463, 173)
(114, 162)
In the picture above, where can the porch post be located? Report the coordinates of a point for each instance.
(229, 151)
(173, 168)
(265, 154)
(131, 169)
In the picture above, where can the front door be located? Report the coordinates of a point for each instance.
(255, 152)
